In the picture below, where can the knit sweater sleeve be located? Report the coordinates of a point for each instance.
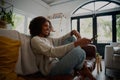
(41, 47)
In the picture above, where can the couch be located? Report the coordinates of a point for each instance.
(112, 60)
(25, 65)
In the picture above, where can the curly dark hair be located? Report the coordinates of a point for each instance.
(36, 24)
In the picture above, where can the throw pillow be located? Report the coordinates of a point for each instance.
(8, 57)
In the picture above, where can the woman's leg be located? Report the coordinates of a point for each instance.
(73, 60)
(69, 40)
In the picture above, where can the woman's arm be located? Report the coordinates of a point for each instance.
(58, 41)
(41, 47)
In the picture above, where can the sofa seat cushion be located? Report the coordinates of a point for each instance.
(116, 61)
(9, 49)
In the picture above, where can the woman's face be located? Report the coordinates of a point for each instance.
(45, 29)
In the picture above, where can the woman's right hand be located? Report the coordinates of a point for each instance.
(76, 33)
(82, 42)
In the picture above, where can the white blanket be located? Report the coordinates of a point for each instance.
(26, 62)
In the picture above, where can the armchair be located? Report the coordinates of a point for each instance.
(90, 56)
(90, 59)
(26, 59)
(112, 60)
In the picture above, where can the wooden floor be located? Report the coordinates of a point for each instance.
(101, 75)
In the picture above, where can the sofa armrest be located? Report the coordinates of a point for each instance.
(108, 55)
(90, 56)
(90, 51)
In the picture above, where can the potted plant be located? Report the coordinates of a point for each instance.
(6, 13)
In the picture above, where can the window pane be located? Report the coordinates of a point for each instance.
(74, 24)
(104, 29)
(96, 6)
(99, 4)
(89, 6)
(81, 11)
(110, 6)
(19, 22)
(28, 22)
(86, 27)
(118, 27)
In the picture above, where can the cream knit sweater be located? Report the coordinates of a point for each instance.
(48, 50)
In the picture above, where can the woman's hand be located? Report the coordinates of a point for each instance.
(76, 33)
(82, 42)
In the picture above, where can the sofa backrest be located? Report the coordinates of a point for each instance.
(26, 63)
(9, 33)
(27, 59)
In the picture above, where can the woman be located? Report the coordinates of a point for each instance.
(52, 57)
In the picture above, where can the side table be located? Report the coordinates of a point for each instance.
(98, 63)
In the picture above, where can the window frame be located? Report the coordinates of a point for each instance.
(100, 46)
(110, 1)
(95, 15)
(113, 14)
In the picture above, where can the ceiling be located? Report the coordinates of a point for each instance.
(56, 2)
(49, 1)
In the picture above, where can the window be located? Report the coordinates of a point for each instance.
(99, 17)
(86, 27)
(96, 6)
(28, 22)
(21, 23)
(74, 24)
(110, 6)
(118, 27)
(96, 18)
(104, 29)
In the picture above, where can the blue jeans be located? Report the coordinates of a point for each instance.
(72, 60)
